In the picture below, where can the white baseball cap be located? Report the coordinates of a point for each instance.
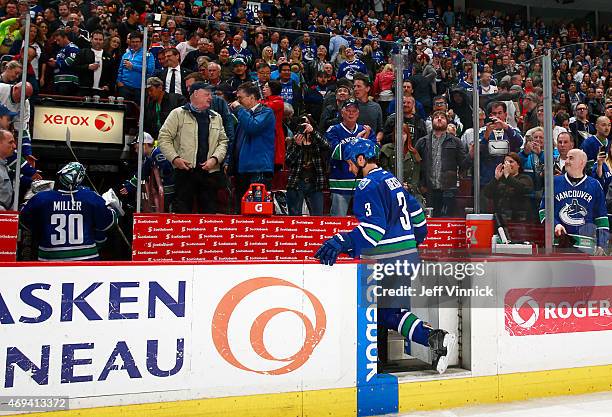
(146, 138)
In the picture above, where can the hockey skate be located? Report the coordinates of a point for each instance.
(442, 345)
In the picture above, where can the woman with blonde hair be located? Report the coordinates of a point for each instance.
(267, 54)
(296, 55)
(367, 58)
(382, 89)
(340, 57)
(532, 161)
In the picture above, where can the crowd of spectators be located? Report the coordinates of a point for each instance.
(236, 96)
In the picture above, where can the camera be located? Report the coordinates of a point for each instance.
(301, 128)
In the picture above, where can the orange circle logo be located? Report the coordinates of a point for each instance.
(104, 122)
(231, 300)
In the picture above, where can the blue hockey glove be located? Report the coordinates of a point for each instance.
(331, 248)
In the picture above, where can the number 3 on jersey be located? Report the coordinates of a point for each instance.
(68, 226)
(405, 219)
(368, 209)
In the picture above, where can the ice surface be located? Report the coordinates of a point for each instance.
(589, 405)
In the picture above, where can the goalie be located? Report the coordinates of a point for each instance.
(70, 222)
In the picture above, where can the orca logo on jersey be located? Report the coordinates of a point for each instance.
(573, 214)
(229, 302)
(533, 316)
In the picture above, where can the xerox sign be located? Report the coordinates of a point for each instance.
(86, 125)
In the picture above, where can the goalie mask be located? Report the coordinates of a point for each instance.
(71, 175)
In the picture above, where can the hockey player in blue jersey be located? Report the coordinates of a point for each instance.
(68, 222)
(580, 207)
(153, 158)
(391, 225)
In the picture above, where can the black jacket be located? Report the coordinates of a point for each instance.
(162, 74)
(422, 91)
(310, 71)
(416, 125)
(454, 158)
(191, 60)
(329, 116)
(155, 117)
(511, 196)
(86, 76)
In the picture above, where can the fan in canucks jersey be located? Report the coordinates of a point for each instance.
(341, 180)
(68, 222)
(351, 66)
(391, 224)
(580, 206)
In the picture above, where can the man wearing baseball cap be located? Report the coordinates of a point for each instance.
(194, 139)
(341, 180)
(241, 74)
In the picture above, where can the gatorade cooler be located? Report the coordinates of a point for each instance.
(257, 201)
(479, 229)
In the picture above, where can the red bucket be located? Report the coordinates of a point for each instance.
(479, 230)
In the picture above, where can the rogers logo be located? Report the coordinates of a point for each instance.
(533, 317)
(104, 122)
(230, 301)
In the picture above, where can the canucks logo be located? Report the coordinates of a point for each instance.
(573, 214)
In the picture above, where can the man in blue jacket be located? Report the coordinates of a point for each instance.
(251, 155)
(130, 69)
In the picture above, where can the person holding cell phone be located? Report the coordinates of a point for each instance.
(602, 168)
(598, 143)
(496, 129)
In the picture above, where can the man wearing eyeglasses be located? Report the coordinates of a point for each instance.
(191, 59)
(581, 128)
(530, 103)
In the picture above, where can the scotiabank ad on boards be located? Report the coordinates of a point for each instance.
(236, 238)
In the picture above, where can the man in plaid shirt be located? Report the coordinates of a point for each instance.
(306, 152)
